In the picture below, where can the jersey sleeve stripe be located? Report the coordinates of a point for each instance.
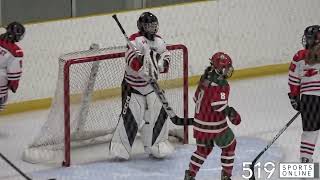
(13, 78)
(221, 108)
(291, 80)
(219, 103)
(294, 83)
(294, 77)
(130, 57)
(14, 73)
(309, 144)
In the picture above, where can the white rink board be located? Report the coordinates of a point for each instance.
(253, 32)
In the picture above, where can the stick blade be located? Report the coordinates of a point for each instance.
(114, 16)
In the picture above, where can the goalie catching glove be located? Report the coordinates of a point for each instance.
(233, 115)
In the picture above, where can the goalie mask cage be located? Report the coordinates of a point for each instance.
(87, 103)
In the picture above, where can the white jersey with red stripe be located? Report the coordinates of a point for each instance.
(304, 78)
(10, 66)
(133, 69)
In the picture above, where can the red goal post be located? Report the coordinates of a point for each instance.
(92, 77)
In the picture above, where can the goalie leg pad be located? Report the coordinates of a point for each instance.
(127, 127)
(161, 150)
(120, 146)
(156, 128)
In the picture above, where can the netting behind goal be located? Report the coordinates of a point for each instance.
(87, 102)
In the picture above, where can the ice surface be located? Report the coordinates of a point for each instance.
(262, 103)
(142, 167)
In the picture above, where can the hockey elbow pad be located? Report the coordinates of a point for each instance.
(13, 85)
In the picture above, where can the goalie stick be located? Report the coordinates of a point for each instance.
(174, 118)
(273, 140)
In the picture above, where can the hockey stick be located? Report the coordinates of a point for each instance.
(15, 167)
(174, 118)
(267, 147)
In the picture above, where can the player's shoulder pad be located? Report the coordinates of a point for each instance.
(13, 48)
(300, 55)
(134, 36)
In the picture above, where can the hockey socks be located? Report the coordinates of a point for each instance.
(198, 158)
(308, 143)
(227, 158)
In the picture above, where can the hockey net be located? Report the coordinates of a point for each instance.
(87, 102)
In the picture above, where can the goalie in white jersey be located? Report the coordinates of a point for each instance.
(10, 60)
(304, 82)
(142, 111)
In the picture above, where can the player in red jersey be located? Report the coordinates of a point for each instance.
(304, 83)
(10, 60)
(211, 112)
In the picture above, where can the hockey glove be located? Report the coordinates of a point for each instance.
(295, 101)
(13, 85)
(233, 115)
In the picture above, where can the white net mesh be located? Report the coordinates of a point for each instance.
(95, 78)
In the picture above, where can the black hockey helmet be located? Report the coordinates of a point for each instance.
(148, 25)
(311, 36)
(14, 32)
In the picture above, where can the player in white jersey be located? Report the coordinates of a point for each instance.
(304, 83)
(142, 111)
(10, 60)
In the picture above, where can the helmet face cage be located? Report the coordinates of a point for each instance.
(222, 64)
(148, 25)
(225, 72)
(311, 36)
(15, 31)
(151, 28)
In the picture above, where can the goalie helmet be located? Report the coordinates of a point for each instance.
(222, 64)
(14, 32)
(311, 36)
(148, 25)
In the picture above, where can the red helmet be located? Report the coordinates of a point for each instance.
(222, 64)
